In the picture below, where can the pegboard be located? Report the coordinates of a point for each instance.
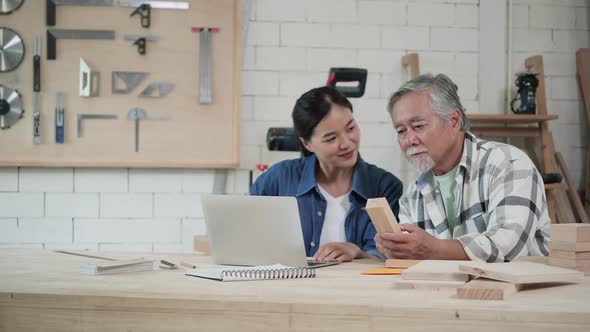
(195, 135)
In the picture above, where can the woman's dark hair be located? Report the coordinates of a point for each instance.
(312, 107)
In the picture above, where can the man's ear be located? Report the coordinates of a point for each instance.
(455, 119)
(306, 144)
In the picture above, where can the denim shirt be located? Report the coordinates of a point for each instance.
(296, 178)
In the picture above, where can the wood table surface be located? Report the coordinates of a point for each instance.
(41, 290)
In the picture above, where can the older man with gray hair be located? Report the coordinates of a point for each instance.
(473, 199)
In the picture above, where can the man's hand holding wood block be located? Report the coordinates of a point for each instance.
(381, 215)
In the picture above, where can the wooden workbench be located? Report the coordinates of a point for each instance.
(43, 291)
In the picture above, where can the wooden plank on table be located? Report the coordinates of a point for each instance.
(484, 289)
(427, 284)
(570, 263)
(521, 272)
(570, 254)
(381, 215)
(436, 270)
(401, 263)
(570, 233)
(569, 246)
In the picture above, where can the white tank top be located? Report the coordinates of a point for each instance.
(336, 211)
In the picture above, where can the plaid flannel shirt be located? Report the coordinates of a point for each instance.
(501, 205)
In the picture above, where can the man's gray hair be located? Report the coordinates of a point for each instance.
(441, 92)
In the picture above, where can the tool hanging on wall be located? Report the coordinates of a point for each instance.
(129, 78)
(12, 49)
(138, 114)
(143, 8)
(88, 80)
(205, 96)
(54, 34)
(527, 83)
(11, 107)
(36, 89)
(8, 6)
(141, 42)
(82, 116)
(157, 90)
(60, 121)
(50, 6)
(350, 82)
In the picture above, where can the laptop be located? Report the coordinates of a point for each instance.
(255, 230)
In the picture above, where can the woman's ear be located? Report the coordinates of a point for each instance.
(306, 144)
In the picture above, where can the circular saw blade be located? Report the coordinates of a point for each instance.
(11, 107)
(8, 6)
(12, 49)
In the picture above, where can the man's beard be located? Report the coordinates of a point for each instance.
(423, 163)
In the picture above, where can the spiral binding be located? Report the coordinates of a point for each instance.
(292, 272)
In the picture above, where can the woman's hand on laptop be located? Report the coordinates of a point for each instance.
(338, 251)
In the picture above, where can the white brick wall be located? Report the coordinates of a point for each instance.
(291, 46)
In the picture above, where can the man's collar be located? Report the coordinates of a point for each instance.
(360, 176)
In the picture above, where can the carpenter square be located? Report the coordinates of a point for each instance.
(54, 34)
(92, 116)
(50, 6)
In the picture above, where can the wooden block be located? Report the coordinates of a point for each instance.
(201, 244)
(427, 284)
(521, 272)
(381, 215)
(401, 263)
(570, 233)
(436, 270)
(569, 254)
(570, 263)
(483, 289)
(569, 246)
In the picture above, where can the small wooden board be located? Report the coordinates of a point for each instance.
(574, 233)
(570, 254)
(521, 272)
(485, 289)
(434, 285)
(569, 246)
(401, 263)
(583, 264)
(436, 270)
(381, 215)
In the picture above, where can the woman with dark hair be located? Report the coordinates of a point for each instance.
(331, 182)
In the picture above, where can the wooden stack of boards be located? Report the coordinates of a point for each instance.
(484, 281)
(570, 246)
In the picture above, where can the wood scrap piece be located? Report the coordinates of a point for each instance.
(521, 272)
(436, 270)
(572, 193)
(570, 233)
(570, 254)
(427, 284)
(580, 264)
(401, 263)
(485, 289)
(201, 244)
(569, 246)
(381, 215)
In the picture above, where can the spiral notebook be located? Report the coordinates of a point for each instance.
(265, 272)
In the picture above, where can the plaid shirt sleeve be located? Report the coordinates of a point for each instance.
(516, 208)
